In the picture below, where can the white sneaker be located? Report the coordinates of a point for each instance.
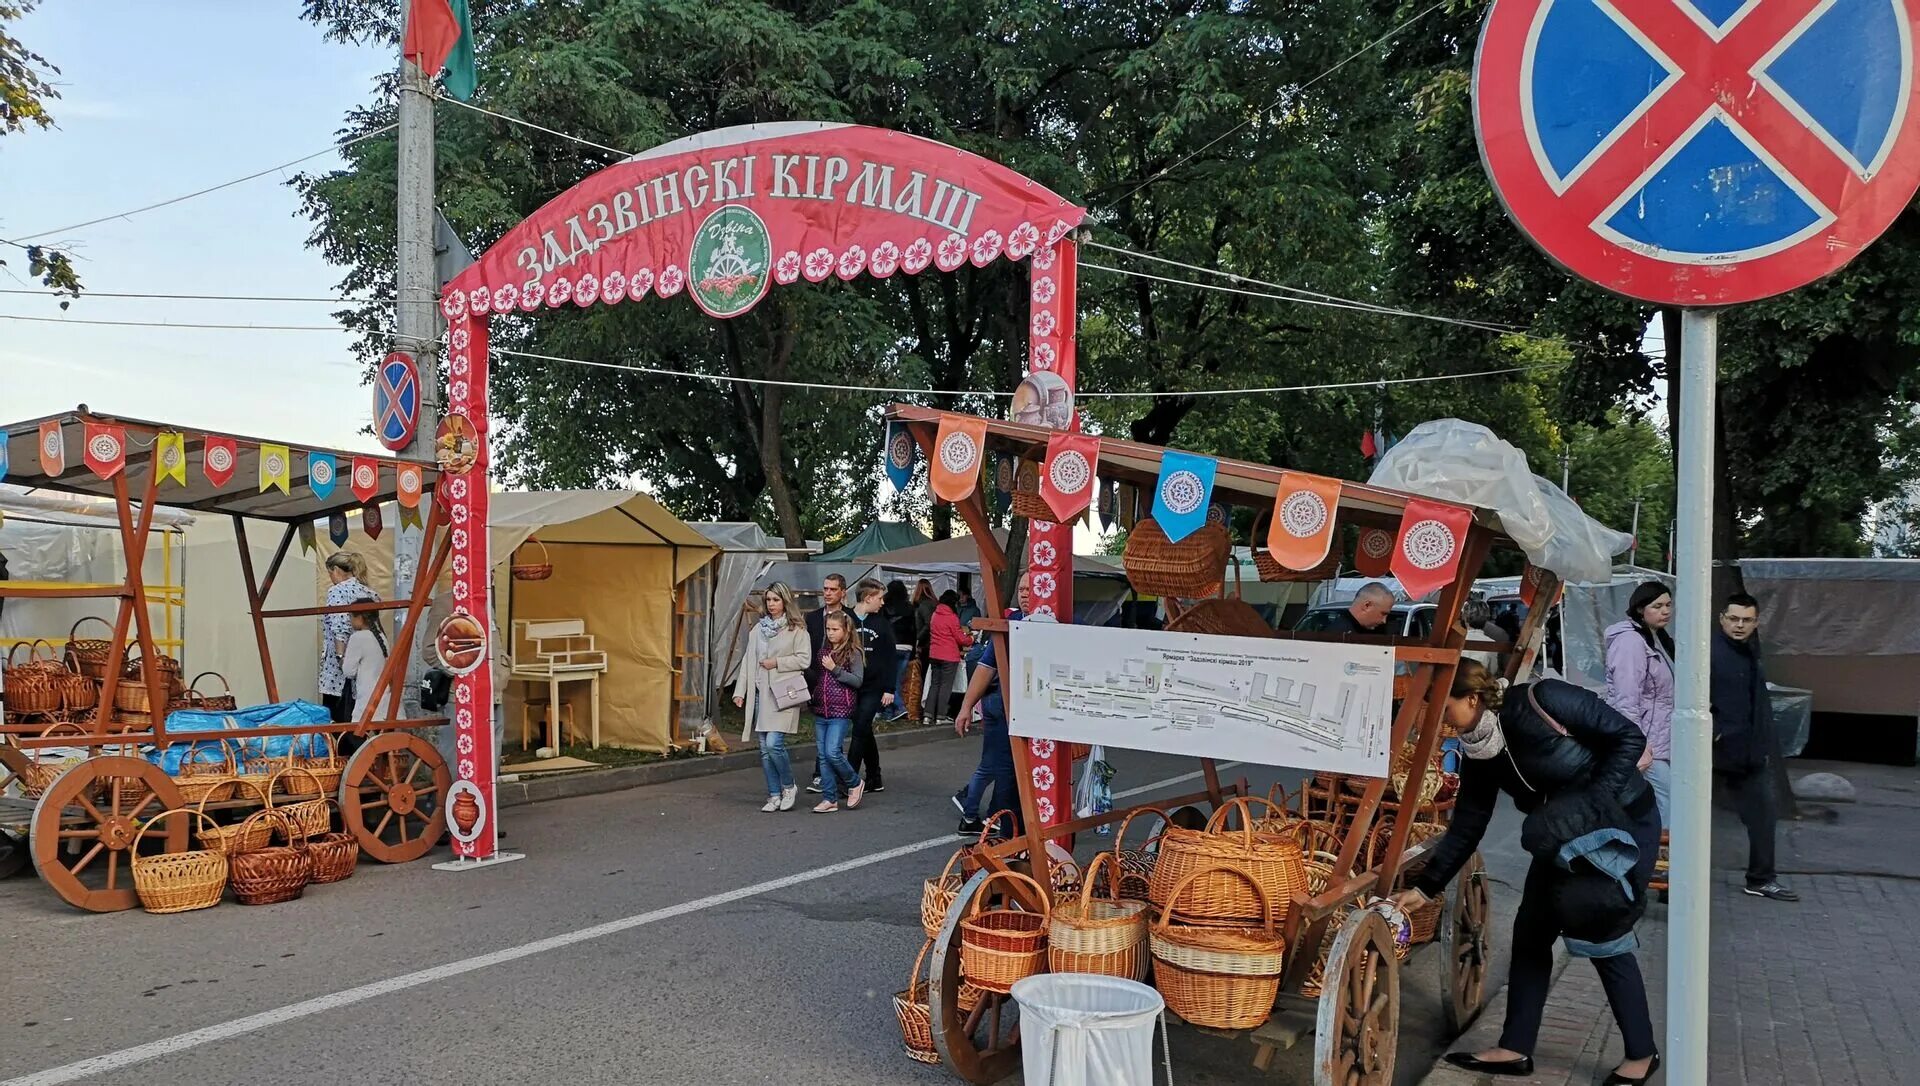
(773, 804)
(786, 798)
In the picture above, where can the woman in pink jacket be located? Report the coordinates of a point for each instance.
(1640, 679)
(947, 645)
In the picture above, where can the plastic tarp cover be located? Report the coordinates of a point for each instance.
(1836, 606)
(1463, 462)
(746, 550)
(1078, 1029)
(1792, 718)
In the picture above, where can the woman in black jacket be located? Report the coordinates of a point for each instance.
(1554, 748)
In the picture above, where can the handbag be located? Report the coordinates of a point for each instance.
(790, 690)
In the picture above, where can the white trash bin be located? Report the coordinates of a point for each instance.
(1079, 1029)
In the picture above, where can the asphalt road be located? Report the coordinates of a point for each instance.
(670, 934)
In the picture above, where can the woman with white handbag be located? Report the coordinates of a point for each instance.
(772, 689)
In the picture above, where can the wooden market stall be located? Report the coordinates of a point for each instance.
(1353, 837)
(111, 697)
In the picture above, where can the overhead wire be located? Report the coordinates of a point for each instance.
(452, 101)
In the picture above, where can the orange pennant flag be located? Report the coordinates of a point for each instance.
(408, 485)
(1301, 530)
(958, 452)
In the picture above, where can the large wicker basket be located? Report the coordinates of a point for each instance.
(1226, 862)
(277, 873)
(312, 815)
(1193, 568)
(89, 654)
(335, 855)
(250, 834)
(178, 882)
(1001, 946)
(916, 1013)
(1218, 978)
(937, 894)
(1104, 935)
(324, 771)
(33, 685)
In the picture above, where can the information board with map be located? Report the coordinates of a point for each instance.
(1304, 704)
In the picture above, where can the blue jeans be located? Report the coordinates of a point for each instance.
(899, 708)
(775, 763)
(995, 769)
(836, 773)
(1660, 775)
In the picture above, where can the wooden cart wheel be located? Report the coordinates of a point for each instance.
(13, 854)
(393, 797)
(1358, 1031)
(983, 1046)
(84, 829)
(1465, 933)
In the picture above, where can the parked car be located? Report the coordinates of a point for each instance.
(1411, 621)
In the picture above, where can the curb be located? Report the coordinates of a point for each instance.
(620, 778)
(1485, 1031)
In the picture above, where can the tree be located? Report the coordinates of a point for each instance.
(25, 89)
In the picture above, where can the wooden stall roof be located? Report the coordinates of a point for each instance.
(1236, 482)
(240, 497)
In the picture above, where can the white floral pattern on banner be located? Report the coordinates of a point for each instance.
(460, 591)
(459, 534)
(1043, 585)
(531, 296)
(1376, 544)
(885, 258)
(786, 270)
(1044, 613)
(819, 264)
(459, 391)
(464, 744)
(852, 262)
(958, 453)
(1044, 289)
(453, 304)
(1044, 322)
(460, 365)
(560, 293)
(480, 301)
(459, 565)
(1045, 355)
(466, 767)
(505, 298)
(1023, 241)
(1303, 514)
(1182, 492)
(587, 290)
(1043, 553)
(463, 694)
(1041, 748)
(460, 337)
(640, 284)
(460, 513)
(1043, 806)
(671, 280)
(952, 254)
(1044, 257)
(1059, 230)
(1070, 473)
(986, 248)
(1043, 777)
(918, 255)
(614, 287)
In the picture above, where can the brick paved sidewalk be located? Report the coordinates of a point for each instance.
(1825, 992)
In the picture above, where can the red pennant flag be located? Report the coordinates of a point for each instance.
(1067, 479)
(105, 450)
(1367, 447)
(1301, 530)
(1530, 579)
(1373, 556)
(53, 449)
(408, 483)
(370, 521)
(958, 453)
(365, 479)
(1427, 554)
(218, 457)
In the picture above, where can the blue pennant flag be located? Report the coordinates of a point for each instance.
(1181, 497)
(322, 472)
(337, 529)
(5, 440)
(901, 454)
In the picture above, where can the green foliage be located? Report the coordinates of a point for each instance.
(25, 90)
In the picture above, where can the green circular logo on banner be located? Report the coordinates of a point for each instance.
(731, 263)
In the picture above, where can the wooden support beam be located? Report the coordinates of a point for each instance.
(11, 591)
(279, 556)
(255, 601)
(393, 675)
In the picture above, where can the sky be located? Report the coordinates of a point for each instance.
(158, 100)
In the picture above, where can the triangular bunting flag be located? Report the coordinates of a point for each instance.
(1185, 488)
(408, 483)
(1301, 531)
(1427, 554)
(105, 449)
(53, 449)
(370, 521)
(958, 453)
(1373, 555)
(218, 457)
(307, 542)
(1129, 506)
(170, 456)
(901, 453)
(365, 480)
(337, 529)
(1109, 501)
(409, 516)
(1067, 478)
(5, 440)
(323, 471)
(1002, 469)
(1530, 580)
(276, 469)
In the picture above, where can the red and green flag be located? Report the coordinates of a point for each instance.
(439, 35)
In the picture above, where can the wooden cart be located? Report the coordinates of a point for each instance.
(1355, 1023)
(80, 829)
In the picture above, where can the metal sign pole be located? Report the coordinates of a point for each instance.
(1691, 803)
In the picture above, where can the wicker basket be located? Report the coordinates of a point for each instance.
(1222, 616)
(1218, 978)
(268, 876)
(1275, 864)
(534, 571)
(1193, 568)
(200, 781)
(78, 692)
(312, 815)
(326, 771)
(1001, 946)
(178, 882)
(223, 702)
(43, 769)
(937, 894)
(250, 834)
(1271, 571)
(1425, 920)
(33, 685)
(916, 1013)
(1136, 864)
(1104, 935)
(1027, 501)
(88, 655)
(335, 855)
(168, 667)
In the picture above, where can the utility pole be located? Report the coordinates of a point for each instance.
(1633, 552)
(416, 322)
(1566, 470)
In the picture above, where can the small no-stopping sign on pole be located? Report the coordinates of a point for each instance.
(1698, 153)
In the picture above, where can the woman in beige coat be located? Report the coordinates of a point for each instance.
(778, 650)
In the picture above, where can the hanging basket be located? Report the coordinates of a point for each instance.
(1001, 946)
(1193, 568)
(276, 873)
(1103, 935)
(1271, 571)
(1136, 864)
(916, 1013)
(88, 655)
(178, 882)
(1218, 978)
(534, 571)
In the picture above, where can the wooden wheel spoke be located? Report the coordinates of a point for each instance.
(384, 820)
(418, 765)
(87, 806)
(404, 820)
(113, 870)
(151, 800)
(87, 858)
(372, 804)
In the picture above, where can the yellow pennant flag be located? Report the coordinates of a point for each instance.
(171, 454)
(276, 468)
(410, 516)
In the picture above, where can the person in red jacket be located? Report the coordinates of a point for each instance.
(947, 645)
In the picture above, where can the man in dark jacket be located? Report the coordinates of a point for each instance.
(1742, 738)
(876, 682)
(1372, 606)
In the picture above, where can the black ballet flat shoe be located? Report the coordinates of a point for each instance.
(1615, 1078)
(1520, 1068)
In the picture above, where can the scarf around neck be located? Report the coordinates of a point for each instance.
(770, 628)
(1485, 740)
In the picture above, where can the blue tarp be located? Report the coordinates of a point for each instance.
(288, 714)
